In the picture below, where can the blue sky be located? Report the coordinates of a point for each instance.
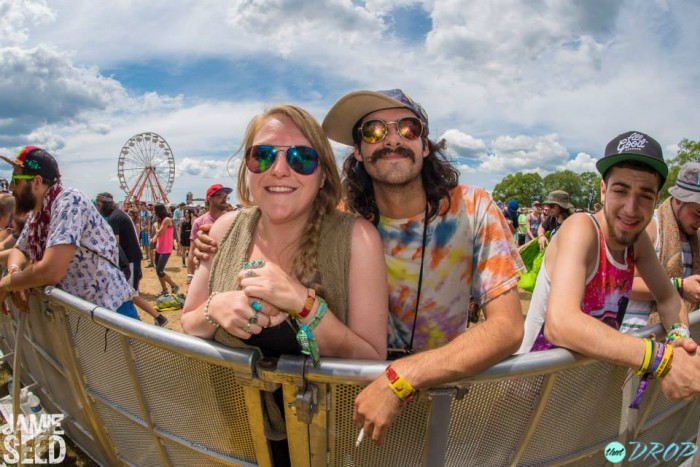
(511, 85)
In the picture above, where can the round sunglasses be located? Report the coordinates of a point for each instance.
(302, 159)
(374, 131)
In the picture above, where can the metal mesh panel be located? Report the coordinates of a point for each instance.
(180, 455)
(403, 445)
(574, 394)
(662, 432)
(104, 370)
(132, 441)
(494, 411)
(689, 431)
(207, 406)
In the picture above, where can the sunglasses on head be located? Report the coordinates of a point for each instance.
(23, 177)
(374, 131)
(302, 159)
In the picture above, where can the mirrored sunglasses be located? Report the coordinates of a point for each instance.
(302, 159)
(374, 131)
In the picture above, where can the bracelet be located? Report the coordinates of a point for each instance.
(399, 385)
(189, 278)
(664, 367)
(677, 331)
(206, 311)
(13, 268)
(6, 283)
(648, 352)
(305, 336)
(308, 304)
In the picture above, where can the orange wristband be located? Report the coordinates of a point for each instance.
(308, 304)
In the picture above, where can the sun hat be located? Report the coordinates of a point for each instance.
(342, 118)
(687, 188)
(560, 198)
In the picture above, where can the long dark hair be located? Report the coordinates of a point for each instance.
(438, 174)
(161, 211)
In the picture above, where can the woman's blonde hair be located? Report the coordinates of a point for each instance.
(305, 265)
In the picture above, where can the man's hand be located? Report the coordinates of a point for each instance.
(204, 244)
(691, 288)
(376, 407)
(543, 242)
(683, 381)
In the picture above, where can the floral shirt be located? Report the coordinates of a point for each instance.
(75, 221)
(469, 253)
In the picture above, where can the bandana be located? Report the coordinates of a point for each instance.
(38, 224)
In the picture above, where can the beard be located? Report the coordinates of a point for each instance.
(623, 238)
(25, 201)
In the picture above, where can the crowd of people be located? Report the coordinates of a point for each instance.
(382, 259)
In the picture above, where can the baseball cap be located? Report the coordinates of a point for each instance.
(35, 161)
(217, 187)
(633, 146)
(341, 120)
(687, 188)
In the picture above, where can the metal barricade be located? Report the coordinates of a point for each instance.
(136, 394)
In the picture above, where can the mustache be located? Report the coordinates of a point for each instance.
(379, 153)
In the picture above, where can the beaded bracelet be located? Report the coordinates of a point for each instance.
(305, 336)
(206, 311)
(677, 331)
(399, 385)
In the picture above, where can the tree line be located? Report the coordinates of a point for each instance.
(583, 188)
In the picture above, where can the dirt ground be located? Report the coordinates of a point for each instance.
(150, 288)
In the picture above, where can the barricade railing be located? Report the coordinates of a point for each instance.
(137, 394)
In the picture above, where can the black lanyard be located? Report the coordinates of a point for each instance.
(409, 349)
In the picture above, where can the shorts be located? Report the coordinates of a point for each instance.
(129, 310)
(161, 260)
(144, 238)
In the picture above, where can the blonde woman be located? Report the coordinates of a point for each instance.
(289, 260)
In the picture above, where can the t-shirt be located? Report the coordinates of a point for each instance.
(201, 220)
(178, 214)
(522, 224)
(92, 272)
(124, 228)
(469, 253)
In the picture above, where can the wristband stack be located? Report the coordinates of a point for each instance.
(657, 358)
(677, 283)
(399, 385)
(305, 335)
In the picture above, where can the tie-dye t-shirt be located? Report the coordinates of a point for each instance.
(469, 253)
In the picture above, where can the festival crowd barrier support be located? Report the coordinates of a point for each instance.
(136, 394)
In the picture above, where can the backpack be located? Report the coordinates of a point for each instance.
(171, 301)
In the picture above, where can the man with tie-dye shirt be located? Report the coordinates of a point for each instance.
(444, 243)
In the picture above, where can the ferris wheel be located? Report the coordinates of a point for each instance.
(146, 168)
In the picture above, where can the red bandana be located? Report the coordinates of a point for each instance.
(38, 224)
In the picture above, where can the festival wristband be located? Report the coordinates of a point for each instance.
(664, 367)
(648, 352)
(308, 304)
(399, 385)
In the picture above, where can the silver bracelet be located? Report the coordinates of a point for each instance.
(206, 311)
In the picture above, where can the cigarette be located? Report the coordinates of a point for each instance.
(360, 437)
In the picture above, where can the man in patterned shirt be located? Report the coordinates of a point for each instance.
(443, 243)
(68, 242)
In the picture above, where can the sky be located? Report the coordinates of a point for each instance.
(530, 85)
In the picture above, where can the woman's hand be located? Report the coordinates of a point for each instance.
(271, 284)
(236, 313)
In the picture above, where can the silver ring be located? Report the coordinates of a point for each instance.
(249, 273)
(253, 319)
